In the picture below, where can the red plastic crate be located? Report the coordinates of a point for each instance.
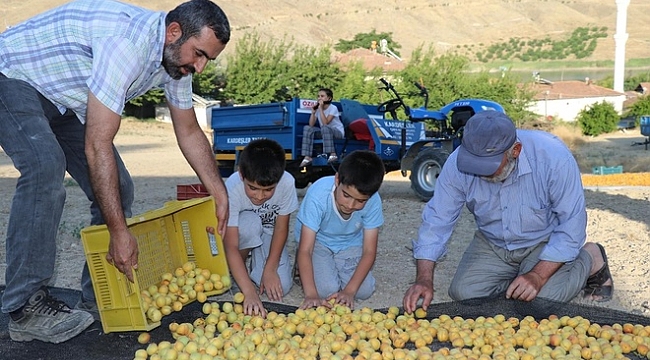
(190, 191)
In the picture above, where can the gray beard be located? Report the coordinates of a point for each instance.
(511, 165)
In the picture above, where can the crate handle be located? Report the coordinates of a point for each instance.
(212, 240)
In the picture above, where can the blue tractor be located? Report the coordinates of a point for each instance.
(409, 146)
(424, 158)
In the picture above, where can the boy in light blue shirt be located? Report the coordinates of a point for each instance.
(338, 228)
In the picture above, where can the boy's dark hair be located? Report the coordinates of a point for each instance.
(262, 161)
(362, 169)
(194, 15)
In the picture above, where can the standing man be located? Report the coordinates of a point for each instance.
(65, 76)
(525, 192)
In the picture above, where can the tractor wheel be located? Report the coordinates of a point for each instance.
(425, 171)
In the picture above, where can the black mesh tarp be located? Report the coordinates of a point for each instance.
(94, 344)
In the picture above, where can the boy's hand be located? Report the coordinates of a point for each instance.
(343, 298)
(272, 285)
(311, 302)
(253, 306)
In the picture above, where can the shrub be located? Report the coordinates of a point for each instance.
(598, 119)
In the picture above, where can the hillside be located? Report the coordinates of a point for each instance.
(442, 23)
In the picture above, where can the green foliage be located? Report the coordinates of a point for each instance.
(210, 82)
(310, 69)
(151, 97)
(262, 72)
(600, 118)
(580, 44)
(447, 79)
(355, 84)
(629, 83)
(364, 41)
(256, 72)
(639, 108)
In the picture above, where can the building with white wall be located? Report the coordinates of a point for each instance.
(565, 99)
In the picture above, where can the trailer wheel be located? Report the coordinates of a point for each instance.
(425, 171)
(226, 168)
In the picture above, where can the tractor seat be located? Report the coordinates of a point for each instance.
(360, 131)
(355, 119)
(459, 118)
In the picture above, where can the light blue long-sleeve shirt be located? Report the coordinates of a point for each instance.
(542, 199)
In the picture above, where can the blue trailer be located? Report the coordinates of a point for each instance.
(404, 145)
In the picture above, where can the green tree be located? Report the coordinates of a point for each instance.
(599, 118)
(310, 69)
(364, 41)
(151, 97)
(262, 72)
(639, 108)
(359, 84)
(256, 73)
(210, 82)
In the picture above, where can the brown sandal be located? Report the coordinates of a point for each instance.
(594, 285)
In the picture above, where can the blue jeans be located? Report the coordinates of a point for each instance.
(43, 144)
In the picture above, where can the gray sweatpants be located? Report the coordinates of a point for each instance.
(487, 270)
(252, 236)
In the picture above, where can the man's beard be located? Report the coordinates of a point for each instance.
(171, 61)
(505, 172)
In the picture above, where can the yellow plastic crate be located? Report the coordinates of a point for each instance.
(167, 238)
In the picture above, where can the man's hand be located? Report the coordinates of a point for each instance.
(422, 289)
(272, 285)
(223, 211)
(123, 253)
(312, 302)
(343, 298)
(525, 287)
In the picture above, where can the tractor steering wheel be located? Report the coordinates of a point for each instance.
(389, 106)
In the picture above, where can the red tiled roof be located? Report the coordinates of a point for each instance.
(370, 60)
(570, 90)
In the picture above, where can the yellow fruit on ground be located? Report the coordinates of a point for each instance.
(225, 280)
(202, 297)
(420, 313)
(156, 315)
(177, 306)
(144, 338)
(141, 354)
(227, 307)
(238, 298)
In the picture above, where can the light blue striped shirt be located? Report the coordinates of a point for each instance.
(110, 48)
(543, 199)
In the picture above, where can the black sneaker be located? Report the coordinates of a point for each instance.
(47, 319)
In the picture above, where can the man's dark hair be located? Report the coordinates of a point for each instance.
(262, 161)
(362, 169)
(194, 15)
